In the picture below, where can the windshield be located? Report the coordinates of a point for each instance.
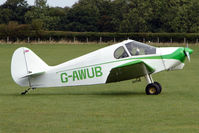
(138, 48)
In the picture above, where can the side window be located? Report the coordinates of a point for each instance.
(120, 53)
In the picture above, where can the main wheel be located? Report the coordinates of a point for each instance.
(159, 85)
(152, 89)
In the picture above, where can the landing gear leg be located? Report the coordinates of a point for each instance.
(153, 88)
(24, 93)
(149, 78)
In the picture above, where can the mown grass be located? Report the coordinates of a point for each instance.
(117, 108)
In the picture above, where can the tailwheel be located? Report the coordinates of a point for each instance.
(26, 91)
(152, 89)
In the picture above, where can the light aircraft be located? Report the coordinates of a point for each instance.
(122, 61)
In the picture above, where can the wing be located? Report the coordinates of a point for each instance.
(129, 70)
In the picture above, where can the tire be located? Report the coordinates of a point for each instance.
(152, 89)
(159, 85)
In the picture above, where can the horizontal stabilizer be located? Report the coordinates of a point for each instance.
(34, 74)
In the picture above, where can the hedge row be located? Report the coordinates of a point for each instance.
(97, 36)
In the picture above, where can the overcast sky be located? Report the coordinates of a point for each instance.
(54, 3)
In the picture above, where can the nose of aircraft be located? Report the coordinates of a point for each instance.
(180, 54)
(187, 52)
(190, 51)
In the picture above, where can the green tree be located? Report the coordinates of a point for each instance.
(82, 17)
(170, 14)
(41, 4)
(56, 18)
(155, 24)
(192, 19)
(50, 17)
(37, 24)
(5, 15)
(39, 11)
(14, 11)
(137, 18)
(107, 15)
(105, 19)
(119, 9)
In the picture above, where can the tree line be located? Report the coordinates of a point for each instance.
(123, 16)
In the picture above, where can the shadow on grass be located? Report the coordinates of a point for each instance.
(108, 93)
(95, 93)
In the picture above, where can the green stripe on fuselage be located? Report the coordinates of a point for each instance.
(177, 55)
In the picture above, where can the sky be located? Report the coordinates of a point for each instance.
(51, 3)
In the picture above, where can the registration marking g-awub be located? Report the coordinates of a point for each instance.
(122, 61)
(81, 74)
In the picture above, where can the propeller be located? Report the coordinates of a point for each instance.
(187, 52)
(188, 56)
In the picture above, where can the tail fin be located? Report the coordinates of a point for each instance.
(26, 63)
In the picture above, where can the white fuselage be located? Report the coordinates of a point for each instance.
(94, 68)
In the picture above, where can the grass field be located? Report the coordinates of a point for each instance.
(112, 108)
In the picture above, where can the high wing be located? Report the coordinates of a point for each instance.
(130, 70)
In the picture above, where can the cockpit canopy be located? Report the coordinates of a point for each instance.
(134, 48)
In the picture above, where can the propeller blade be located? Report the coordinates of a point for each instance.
(188, 56)
(187, 52)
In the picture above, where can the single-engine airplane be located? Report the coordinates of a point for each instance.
(122, 61)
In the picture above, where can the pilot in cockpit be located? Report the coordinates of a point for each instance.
(137, 51)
